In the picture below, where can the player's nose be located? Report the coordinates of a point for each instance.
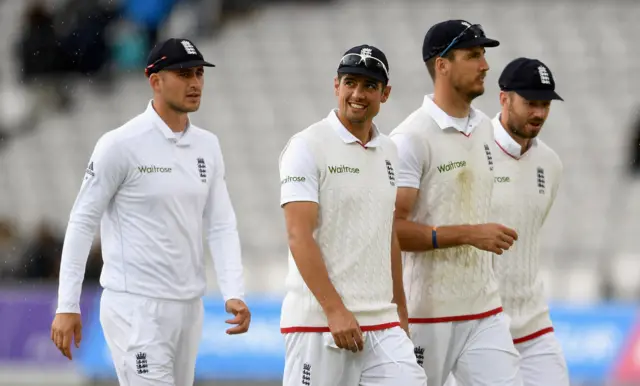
(538, 113)
(358, 93)
(484, 65)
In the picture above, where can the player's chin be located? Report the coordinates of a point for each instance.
(356, 116)
(475, 91)
(191, 106)
(532, 131)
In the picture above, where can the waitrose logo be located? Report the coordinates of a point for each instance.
(343, 169)
(153, 169)
(451, 165)
(292, 179)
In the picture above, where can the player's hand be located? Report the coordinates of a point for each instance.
(494, 238)
(65, 328)
(242, 316)
(403, 314)
(345, 330)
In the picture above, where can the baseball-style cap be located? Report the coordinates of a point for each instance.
(173, 54)
(529, 78)
(452, 34)
(365, 60)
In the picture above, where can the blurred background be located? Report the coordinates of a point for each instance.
(73, 69)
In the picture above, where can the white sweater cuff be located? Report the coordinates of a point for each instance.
(225, 250)
(72, 267)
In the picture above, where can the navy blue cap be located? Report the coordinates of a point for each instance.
(365, 60)
(174, 54)
(529, 78)
(466, 35)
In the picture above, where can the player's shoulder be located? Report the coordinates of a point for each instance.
(204, 136)
(300, 146)
(484, 122)
(387, 143)
(550, 155)
(118, 137)
(135, 127)
(316, 130)
(481, 115)
(314, 133)
(415, 121)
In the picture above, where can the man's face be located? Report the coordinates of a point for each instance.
(466, 71)
(181, 89)
(359, 97)
(524, 117)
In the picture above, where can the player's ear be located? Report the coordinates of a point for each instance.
(440, 65)
(386, 91)
(154, 81)
(336, 85)
(504, 98)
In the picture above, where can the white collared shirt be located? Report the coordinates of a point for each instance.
(525, 187)
(355, 188)
(298, 162)
(414, 156)
(464, 125)
(153, 194)
(453, 174)
(505, 142)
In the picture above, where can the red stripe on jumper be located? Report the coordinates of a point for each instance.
(376, 327)
(533, 336)
(460, 318)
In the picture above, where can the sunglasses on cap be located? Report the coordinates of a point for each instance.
(368, 62)
(149, 68)
(477, 31)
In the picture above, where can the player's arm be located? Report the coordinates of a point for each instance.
(413, 236)
(224, 244)
(300, 201)
(301, 221)
(106, 171)
(399, 297)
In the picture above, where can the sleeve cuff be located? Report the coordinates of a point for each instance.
(68, 309)
(236, 297)
(286, 200)
(407, 184)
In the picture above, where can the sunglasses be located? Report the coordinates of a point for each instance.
(148, 69)
(368, 62)
(477, 31)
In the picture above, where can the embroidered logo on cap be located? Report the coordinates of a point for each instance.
(191, 50)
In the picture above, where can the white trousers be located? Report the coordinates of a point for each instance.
(542, 363)
(478, 352)
(152, 341)
(387, 360)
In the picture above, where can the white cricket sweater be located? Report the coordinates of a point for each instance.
(524, 191)
(154, 196)
(355, 189)
(452, 168)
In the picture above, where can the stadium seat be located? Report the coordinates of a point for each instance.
(274, 77)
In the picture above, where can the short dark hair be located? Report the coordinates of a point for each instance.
(431, 63)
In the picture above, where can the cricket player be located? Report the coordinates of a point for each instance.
(527, 176)
(445, 182)
(155, 185)
(345, 305)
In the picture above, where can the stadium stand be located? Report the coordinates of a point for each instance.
(274, 77)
